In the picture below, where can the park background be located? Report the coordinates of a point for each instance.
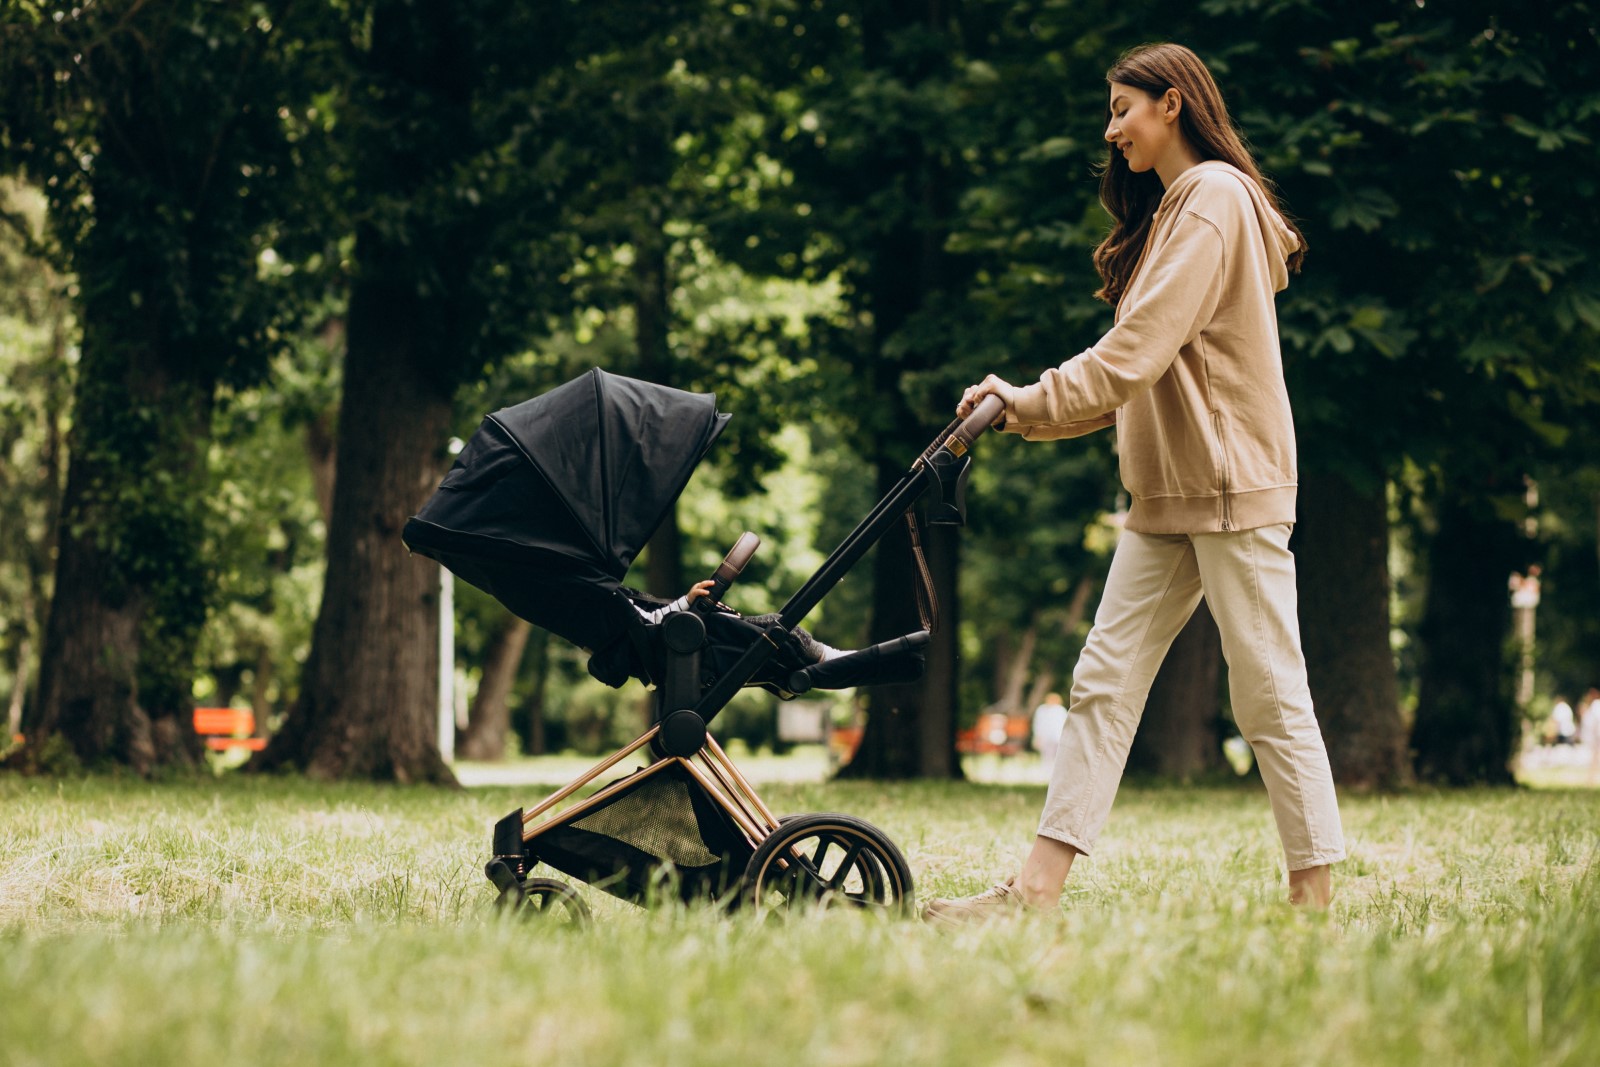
(261, 262)
(264, 261)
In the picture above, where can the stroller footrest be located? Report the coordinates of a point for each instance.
(893, 662)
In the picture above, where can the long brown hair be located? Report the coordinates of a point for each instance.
(1204, 121)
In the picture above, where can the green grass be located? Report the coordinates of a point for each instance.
(247, 922)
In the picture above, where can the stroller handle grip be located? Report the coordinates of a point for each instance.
(732, 565)
(988, 412)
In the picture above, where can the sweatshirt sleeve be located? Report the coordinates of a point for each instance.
(1179, 296)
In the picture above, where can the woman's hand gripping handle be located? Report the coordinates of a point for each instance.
(989, 410)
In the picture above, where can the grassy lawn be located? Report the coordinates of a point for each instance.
(244, 922)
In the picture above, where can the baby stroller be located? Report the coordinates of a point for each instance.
(545, 509)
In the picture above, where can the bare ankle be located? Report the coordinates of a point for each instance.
(1045, 872)
(1311, 888)
(1038, 893)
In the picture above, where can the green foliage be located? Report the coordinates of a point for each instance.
(265, 535)
(1433, 153)
(155, 135)
(844, 213)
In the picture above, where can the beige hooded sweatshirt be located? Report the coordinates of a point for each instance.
(1191, 373)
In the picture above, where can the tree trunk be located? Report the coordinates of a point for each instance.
(1341, 547)
(1180, 735)
(260, 687)
(19, 690)
(320, 449)
(130, 587)
(369, 696)
(911, 729)
(1018, 668)
(530, 717)
(320, 426)
(1466, 731)
(88, 688)
(1069, 620)
(489, 719)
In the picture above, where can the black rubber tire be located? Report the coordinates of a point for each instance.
(545, 900)
(831, 861)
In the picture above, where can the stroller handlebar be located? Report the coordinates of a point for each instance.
(988, 412)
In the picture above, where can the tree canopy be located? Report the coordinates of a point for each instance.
(282, 252)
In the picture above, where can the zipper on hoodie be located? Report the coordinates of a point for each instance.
(1222, 456)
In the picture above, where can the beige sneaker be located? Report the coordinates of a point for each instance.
(1004, 899)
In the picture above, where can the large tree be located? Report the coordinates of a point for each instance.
(452, 143)
(869, 128)
(154, 129)
(1522, 317)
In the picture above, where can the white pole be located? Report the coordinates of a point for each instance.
(447, 651)
(447, 664)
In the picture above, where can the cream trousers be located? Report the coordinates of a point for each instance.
(1155, 584)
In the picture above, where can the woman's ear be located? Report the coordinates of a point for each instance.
(1171, 105)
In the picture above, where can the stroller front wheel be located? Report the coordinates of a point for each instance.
(544, 900)
(827, 860)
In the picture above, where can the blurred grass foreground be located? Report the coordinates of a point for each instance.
(253, 921)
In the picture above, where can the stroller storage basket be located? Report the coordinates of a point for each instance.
(657, 832)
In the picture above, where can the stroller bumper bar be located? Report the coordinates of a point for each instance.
(896, 660)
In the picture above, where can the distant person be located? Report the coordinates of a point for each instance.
(1589, 732)
(1191, 375)
(1048, 719)
(1563, 724)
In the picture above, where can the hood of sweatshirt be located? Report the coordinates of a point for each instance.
(1279, 241)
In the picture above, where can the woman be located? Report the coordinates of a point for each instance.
(1192, 377)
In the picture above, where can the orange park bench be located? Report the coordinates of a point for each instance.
(1005, 735)
(225, 728)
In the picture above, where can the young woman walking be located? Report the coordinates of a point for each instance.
(1192, 377)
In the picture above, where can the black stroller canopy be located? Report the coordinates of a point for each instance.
(552, 499)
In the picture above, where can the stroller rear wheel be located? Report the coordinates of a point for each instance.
(828, 860)
(545, 900)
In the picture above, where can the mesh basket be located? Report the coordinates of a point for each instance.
(663, 834)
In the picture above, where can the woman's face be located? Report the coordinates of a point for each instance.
(1143, 128)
